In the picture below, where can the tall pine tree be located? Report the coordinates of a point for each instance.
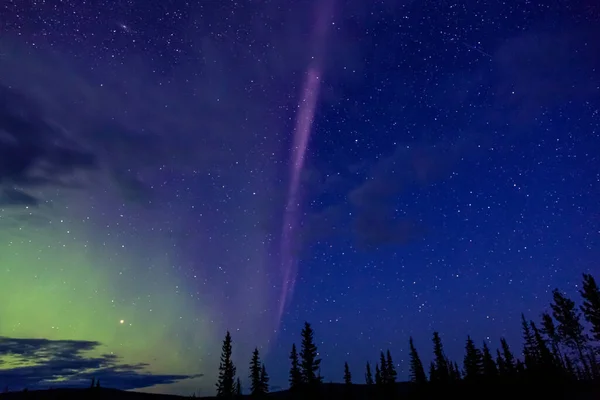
(368, 375)
(510, 367)
(417, 372)
(490, 370)
(473, 363)
(264, 379)
(347, 374)
(309, 361)
(255, 384)
(569, 327)
(378, 378)
(441, 363)
(390, 368)
(529, 346)
(549, 330)
(591, 304)
(295, 372)
(226, 380)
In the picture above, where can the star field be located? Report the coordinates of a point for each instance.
(148, 152)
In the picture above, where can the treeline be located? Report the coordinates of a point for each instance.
(561, 353)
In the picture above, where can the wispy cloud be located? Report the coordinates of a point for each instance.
(40, 363)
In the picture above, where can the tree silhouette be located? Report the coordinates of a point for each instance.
(255, 370)
(441, 363)
(238, 387)
(226, 380)
(383, 369)
(295, 373)
(368, 375)
(529, 346)
(569, 327)
(378, 378)
(545, 360)
(549, 329)
(490, 370)
(473, 363)
(309, 362)
(390, 368)
(508, 359)
(591, 304)
(417, 372)
(264, 379)
(347, 374)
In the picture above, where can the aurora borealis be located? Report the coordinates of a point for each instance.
(433, 163)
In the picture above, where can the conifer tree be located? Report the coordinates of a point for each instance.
(441, 363)
(383, 368)
(549, 329)
(390, 368)
(368, 375)
(545, 359)
(347, 374)
(490, 370)
(309, 362)
(432, 374)
(569, 327)
(508, 358)
(98, 384)
(473, 363)
(529, 346)
(238, 387)
(295, 372)
(453, 373)
(378, 378)
(502, 371)
(591, 304)
(417, 372)
(255, 384)
(93, 385)
(264, 379)
(226, 380)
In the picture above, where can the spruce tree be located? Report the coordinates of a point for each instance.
(591, 304)
(347, 374)
(490, 370)
(545, 359)
(368, 375)
(383, 369)
(549, 330)
(473, 363)
(264, 379)
(255, 383)
(238, 387)
(529, 346)
(502, 370)
(432, 374)
(378, 379)
(226, 380)
(390, 369)
(309, 362)
(417, 372)
(441, 363)
(569, 327)
(508, 358)
(295, 372)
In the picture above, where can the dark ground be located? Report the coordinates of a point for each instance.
(339, 392)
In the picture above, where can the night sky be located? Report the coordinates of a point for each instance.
(170, 170)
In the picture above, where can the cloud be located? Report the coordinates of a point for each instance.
(40, 363)
(34, 152)
(13, 197)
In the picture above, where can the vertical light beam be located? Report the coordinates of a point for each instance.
(303, 126)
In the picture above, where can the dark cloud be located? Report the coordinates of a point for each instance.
(13, 197)
(33, 151)
(40, 363)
